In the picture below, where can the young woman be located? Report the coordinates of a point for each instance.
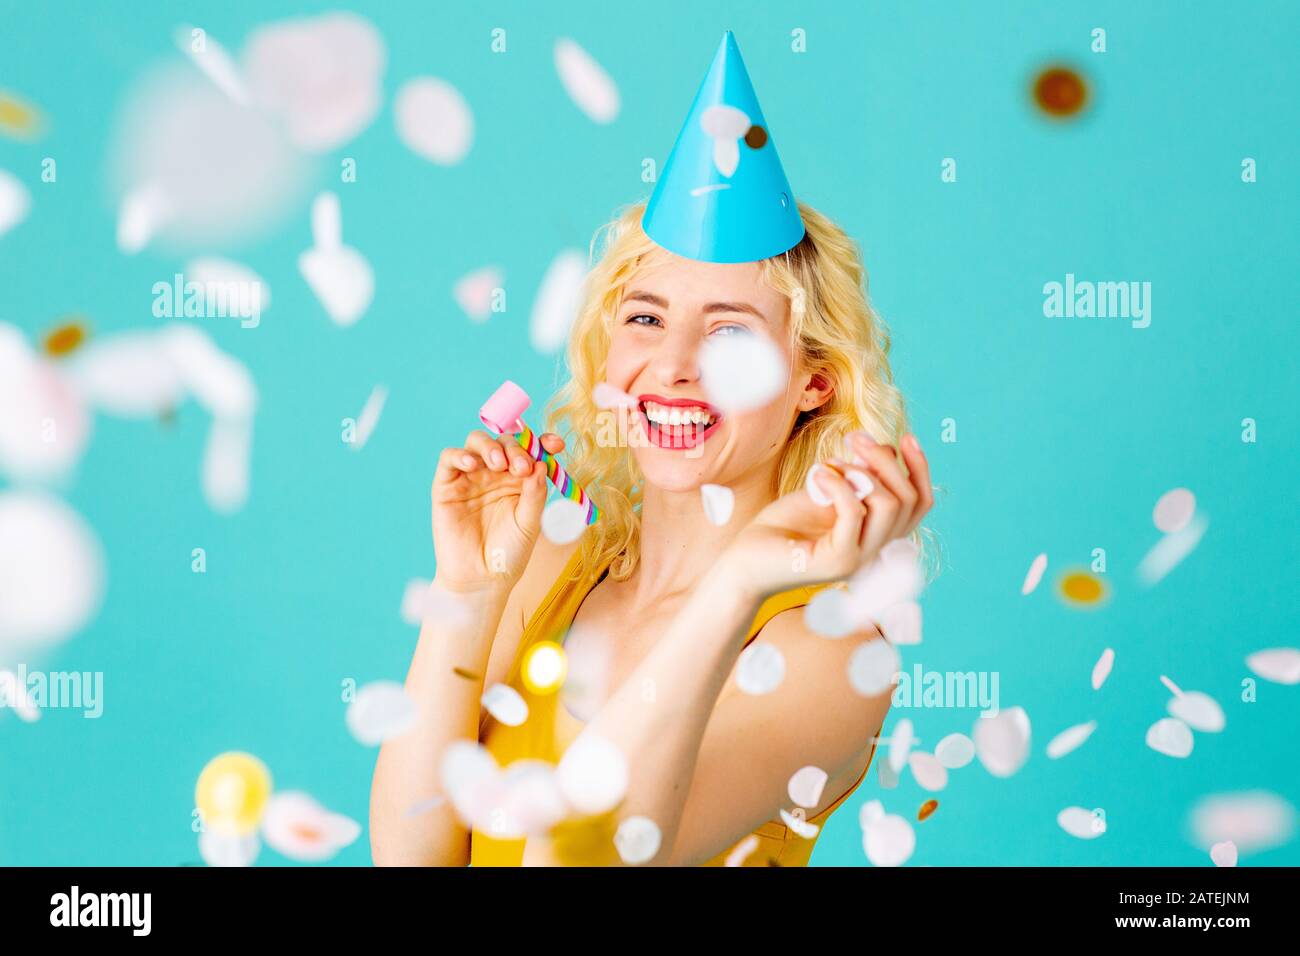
(679, 596)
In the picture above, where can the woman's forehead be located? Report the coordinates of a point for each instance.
(689, 283)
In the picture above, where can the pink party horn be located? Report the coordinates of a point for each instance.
(502, 414)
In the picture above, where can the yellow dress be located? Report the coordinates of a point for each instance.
(550, 728)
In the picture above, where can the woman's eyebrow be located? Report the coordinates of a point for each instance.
(646, 297)
(734, 307)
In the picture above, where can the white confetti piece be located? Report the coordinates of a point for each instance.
(927, 771)
(955, 751)
(1170, 550)
(44, 422)
(832, 613)
(1101, 670)
(637, 840)
(467, 771)
(1278, 664)
(339, 276)
(381, 711)
(814, 489)
(873, 666)
(1034, 574)
(1254, 820)
(589, 656)
(142, 213)
(1171, 737)
(607, 396)
(901, 623)
(1081, 822)
(719, 500)
(474, 292)
(51, 570)
(213, 59)
(805, 786)
(14, 201)
(1174, 510)
(592, 774)
(742, 851)
(1002, 741)
(563, 521)
(129, 374)
(862, 485)
(742, 372)
(800, 826)
(301, 829)
(369, 416)
(760, 668)
(322, 76)
(1224, 854)
(887, 775)
(869, 813)
(1070, 739)
(433, 120)
(505, 704)
(725, 125)
(220, 849)
(1198, 710)
(228, 288)
(220, 383)
(226, 464)
(893, 578)
(556, 303)
(889, 841)
(900, 744)
(588, 85)
(15, 696)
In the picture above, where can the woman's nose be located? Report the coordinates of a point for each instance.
(677, 359)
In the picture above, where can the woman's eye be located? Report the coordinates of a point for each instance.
(731, 330)
(636, 319)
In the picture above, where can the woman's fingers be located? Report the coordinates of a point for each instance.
(532, 499)
(453, 462)
(487, 448)
(849, 516)
(918, 473)
(881, 463)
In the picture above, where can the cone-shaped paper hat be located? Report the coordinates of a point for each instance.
(723, 196)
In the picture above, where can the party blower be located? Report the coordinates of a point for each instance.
(503, 415)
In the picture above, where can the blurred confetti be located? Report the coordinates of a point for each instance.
(14, 201)
(556, 303)
(1082, 589)
(300, 828)
(1254, 820)
(588, 85)
(433, 120)
(19, 119)
(380, 711)
(339, 276)
(231, 794)
(1060, 92)
(926, 810)
(65, 338)
(474, 292)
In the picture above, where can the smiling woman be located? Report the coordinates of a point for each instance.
(690, 715)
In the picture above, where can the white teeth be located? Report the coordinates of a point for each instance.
(676, 415)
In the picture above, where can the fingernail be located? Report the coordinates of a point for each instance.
(468, 461)
(912, 443)
(498, 458)
(862, 485)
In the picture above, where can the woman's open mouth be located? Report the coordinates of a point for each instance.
(677, 423)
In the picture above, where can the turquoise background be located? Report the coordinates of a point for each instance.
(1068, 430)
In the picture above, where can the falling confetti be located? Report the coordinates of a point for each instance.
(742, 851)
(955, 751)
(1082, 589)
(1070, 739)
(1171, 737)
(380, 711)
(719, 500)
(901, 623)
(1002, 741)
(888, 840)
(564, 521)
(19, 119)
(832, 613)
(474, 292)
(15, 696)
(1198, 710)
(926, 810)
(1170, 550)
(1253, 820)
(605, 395)
(887, 775)
(805, 786)
(128, 374)
(1081, 822)
(637, 840)
(1060, 92)
(339, 276)
(64, 339)
(1101, 670)
(14, 201)
(742, 372)
(900, 745)
(229, 288)
(544, 667)
(301, 829)
(232, 792)
(44, 422)
(221, 849)
(760, 668)
(557, 301)
(592, 774)
(213, 59)
(1278, 664)
(505, 704)
(1034, 574)
(369, 416)
(587, 84)
(873, 666)
(433, 120)
(927, 771)
(801, 827)
(1224, 854)
(1174, 510)
(226, 464)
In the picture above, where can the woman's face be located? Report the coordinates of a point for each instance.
(671, 307)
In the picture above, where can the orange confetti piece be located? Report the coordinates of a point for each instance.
(461, 672)
(927, 808)
(1082, 589)
(65, 339)
(1060, 92)
(18, 118)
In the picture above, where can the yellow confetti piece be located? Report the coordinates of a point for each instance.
(927, 808)
(544, 667)
(65, 339)
(232, 792)
(18, 118)
(1082, 589)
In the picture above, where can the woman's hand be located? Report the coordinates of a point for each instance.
(839, 538)
(487, 511)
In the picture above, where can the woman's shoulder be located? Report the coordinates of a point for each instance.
(549, 564)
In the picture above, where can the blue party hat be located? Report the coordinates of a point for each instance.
(723, 196)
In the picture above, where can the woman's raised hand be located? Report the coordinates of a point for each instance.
(487, 511)
(839, 538)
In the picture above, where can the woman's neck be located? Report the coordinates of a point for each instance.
(679, 543)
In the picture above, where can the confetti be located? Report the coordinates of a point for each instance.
(211, 57)
(832, 613)
(873, 666)
(556, 303)
(805, 786)
(719, 500)
(64, 339)
(1174, 510)
(564, 521)
(228, 288)
(927, 771)
(901, 623)
(15, 696)
(544, 667)
(1170, 550)
(587, 84)
(814, 489)
(424, 806)
(301, 829)
(592, 775)
(53, 564)
(505, 704)
(1081, 822)
(926, 810)
(380, 711)
(1034, 575)
(893, 578)
(19, 118)
(468, 675)
(369, 416)
(1224, 854)
(742, 372)
(44, 422)
(1253, 820)
(955, 751)
(1278, 664)
(14, 201)
(1060, 92)
(221, 849)
(1198, 710)
(221, 384)
(339, 276)
(607, 396)
(226, 464)
(1101, 670)
(760, 668)
(1081, 589)
(888, 840)
(588, 654)
(232, 792)
(900, 744)
(474, 292)
(742, 851)
(1002, 741)
(637, 840)
(801, 827)
(1070, 739)
(887, 775)
(1171, 737)
(433, 120)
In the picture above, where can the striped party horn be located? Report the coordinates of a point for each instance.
(502, 414)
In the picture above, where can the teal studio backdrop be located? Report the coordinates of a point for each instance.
(1067, 430)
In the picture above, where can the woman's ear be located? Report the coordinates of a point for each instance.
(817, 392)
